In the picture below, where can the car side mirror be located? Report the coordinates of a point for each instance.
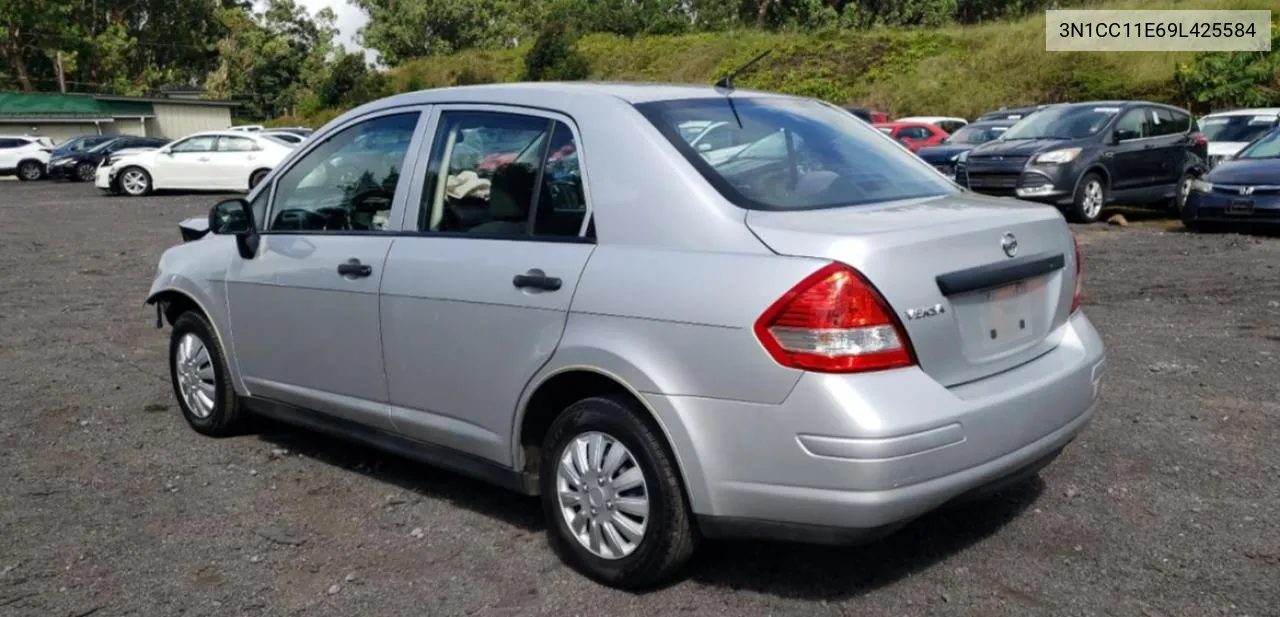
(235, 216)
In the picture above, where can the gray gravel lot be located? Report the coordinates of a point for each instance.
(110, 505)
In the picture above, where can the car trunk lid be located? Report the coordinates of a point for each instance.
(943, 264)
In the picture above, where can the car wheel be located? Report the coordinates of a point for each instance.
(85, 172)
(615, 506)
(1179, 200)
(135, 181)
(257, 177)
(1090, 197)
(30, 170)
(201, 378)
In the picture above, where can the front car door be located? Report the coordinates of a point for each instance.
(8, 150)
(304, 309)
(185, 165)
(1129, 152)
(475, 303)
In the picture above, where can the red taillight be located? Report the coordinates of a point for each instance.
(1201, 141)
(834, 321)
(1075, 296)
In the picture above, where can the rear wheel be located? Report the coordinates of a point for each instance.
(134, 181)
(1091, 195)
(616, 509)
(85, 172)
(30, 170)
(257, 177)
(1179, 200)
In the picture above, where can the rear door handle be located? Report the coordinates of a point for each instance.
(354, 269)
(536, 279)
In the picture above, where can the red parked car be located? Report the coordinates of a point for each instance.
(913, 135)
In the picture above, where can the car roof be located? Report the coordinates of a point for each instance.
(540, 93)
(223, 133)
(1258, 111)
(897, 124)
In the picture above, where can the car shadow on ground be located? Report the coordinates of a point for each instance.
(776, 568)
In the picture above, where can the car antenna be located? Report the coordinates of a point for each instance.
(726, 82)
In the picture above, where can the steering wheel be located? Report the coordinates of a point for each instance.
(299, 219)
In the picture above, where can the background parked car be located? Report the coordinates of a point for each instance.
(868, 115)
(289, 137)
(913, 135)
(23, 156)
(1245, 188)
(208, 161)
(950, 124)
(1082, 156)
(943, 156)
(82, 165)
(1229, 132)
(76, 144)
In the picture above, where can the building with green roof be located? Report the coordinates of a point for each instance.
(62, 116)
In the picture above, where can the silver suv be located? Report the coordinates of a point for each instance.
(816, 337)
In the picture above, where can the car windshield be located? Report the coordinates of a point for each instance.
(104, 145)
(1073, 122)
(1266, 148)
(1235, 128)
(792, 154)
(977, 134)
(79, 143)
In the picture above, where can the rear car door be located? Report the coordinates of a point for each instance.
(8, 152)
(1170, 138)
(476, 302)
(1129, 156)
(233, 161)
(304, 309)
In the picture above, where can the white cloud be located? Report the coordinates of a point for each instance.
(350, 19)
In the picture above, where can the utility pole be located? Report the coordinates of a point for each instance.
(62, 81)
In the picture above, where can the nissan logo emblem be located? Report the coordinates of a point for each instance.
(1009, 244)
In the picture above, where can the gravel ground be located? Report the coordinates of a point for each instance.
(110, 505)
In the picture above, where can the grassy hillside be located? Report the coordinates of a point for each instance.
(953, 71)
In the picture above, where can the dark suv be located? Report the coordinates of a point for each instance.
(1083, 156)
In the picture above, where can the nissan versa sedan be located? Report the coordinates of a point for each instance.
(818, 338)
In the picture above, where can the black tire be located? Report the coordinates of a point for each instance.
(1180, 192)
(226, 416)
(1083, 208)
(146, 179)
(669, 537)
(30, 170)
(256, 177)
(85, 172)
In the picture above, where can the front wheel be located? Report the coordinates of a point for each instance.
(257, 177)
(1179, 200)
(134, 181)
(201, 378)
(30, 170)
(615, 506)
(85, 172)
(1091, 195)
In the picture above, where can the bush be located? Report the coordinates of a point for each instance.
(554, 56)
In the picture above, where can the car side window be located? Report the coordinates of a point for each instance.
(7, 144)
(236, 144)
(1181, 122)
(562, 203)
(914, 132)
(484, 173)
(348, 182)
(203, 143)
(1131, 124)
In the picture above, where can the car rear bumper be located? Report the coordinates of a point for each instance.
(846, 457)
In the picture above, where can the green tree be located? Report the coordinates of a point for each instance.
(1232, 79)
(553, 56)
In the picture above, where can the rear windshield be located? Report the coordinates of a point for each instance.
(1266, 148)
(977, 133)
(792, 154)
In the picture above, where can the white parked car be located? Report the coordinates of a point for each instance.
(208, 161)
(24, 157)
(1229, 132)
(947, 123)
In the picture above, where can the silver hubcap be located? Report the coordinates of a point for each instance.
(1183, 190)
(1092, 203)
(196, 379)
(30, 172)
(603, 495)
(133, 182)
(86, 172)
